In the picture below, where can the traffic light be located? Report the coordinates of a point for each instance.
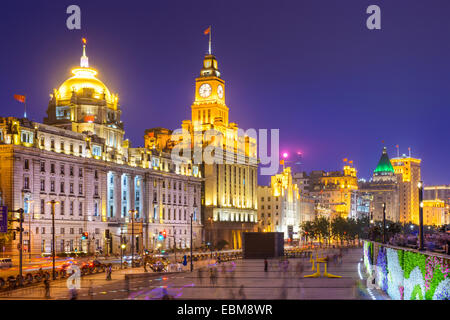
(107, 234)
(85, 236)
(164, 234)
(160, 236)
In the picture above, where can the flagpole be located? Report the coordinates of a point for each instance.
(210, 32)
(25, 107)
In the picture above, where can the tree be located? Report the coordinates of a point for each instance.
(322, 225)
(308, 230)
(339, 227)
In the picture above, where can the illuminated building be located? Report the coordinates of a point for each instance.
(229, 198)
(383, 188)
(407, 169)
(333, 191)
(434, 212)
(79, 158)
(439, 193)
(279, 209)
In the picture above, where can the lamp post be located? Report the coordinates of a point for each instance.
(420, 186)
(53, 203)
(384, 222)
(29, 230)
(132, 212)
(174, 245)
(192, 266)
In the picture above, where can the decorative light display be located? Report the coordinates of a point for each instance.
(406, 275)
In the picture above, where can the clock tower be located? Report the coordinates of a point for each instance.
(209, 108)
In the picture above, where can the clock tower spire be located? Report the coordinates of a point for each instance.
(209, 105)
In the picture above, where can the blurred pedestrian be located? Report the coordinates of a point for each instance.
(91, 290)
(73, 294)
(108, 272)
(211, 276)
(47, 288)
(200, 275)
(241, 293)
(265, 265)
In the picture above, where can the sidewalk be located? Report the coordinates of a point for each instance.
(59, 288)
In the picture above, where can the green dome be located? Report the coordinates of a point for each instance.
(384, 166)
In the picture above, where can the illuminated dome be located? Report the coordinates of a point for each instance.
(85, 77)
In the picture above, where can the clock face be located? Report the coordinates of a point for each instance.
(220, 91)
(204, 90)
(207, 63)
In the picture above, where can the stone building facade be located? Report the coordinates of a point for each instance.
(102, 186)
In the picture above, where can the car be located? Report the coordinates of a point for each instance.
(6, 263)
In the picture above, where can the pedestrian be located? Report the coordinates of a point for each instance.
(211, 276)
(265, 265)
(165, 295)
(91, 290)
(200, 275)
(241, 293)
(108, 272)
(47, 288)
(73, 294)
(215, 276)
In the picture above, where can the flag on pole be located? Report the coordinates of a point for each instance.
(207, 31)
(84, 40)
(19, 98)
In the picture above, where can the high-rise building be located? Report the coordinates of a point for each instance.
(333, 191)
(407, 169)
(229, 199)
(384, 189)
(279, 209)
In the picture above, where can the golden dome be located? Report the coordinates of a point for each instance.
(85, 77)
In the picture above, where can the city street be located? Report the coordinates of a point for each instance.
(241, 279)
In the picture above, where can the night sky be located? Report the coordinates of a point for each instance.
(310, 68)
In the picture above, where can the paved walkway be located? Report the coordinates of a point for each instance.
(241, 279)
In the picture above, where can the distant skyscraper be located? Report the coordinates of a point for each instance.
(384, 189)
(407, 169)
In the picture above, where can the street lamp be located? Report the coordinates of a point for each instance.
(132, 212)
(192, 266)
(420, 186)
(29, 229)
(384, 222)
(122, 247)
(53, 203)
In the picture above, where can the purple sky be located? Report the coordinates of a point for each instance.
(310, 68)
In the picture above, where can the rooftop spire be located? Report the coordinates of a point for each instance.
(84, 62)
(384, 166)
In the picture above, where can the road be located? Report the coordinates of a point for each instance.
(257, 284)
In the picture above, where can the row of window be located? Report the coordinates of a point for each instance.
(268, 207)
(61, 146)
(62, 230)
(268, 215)
(62, 208)
(61, 169)
(268, 199)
